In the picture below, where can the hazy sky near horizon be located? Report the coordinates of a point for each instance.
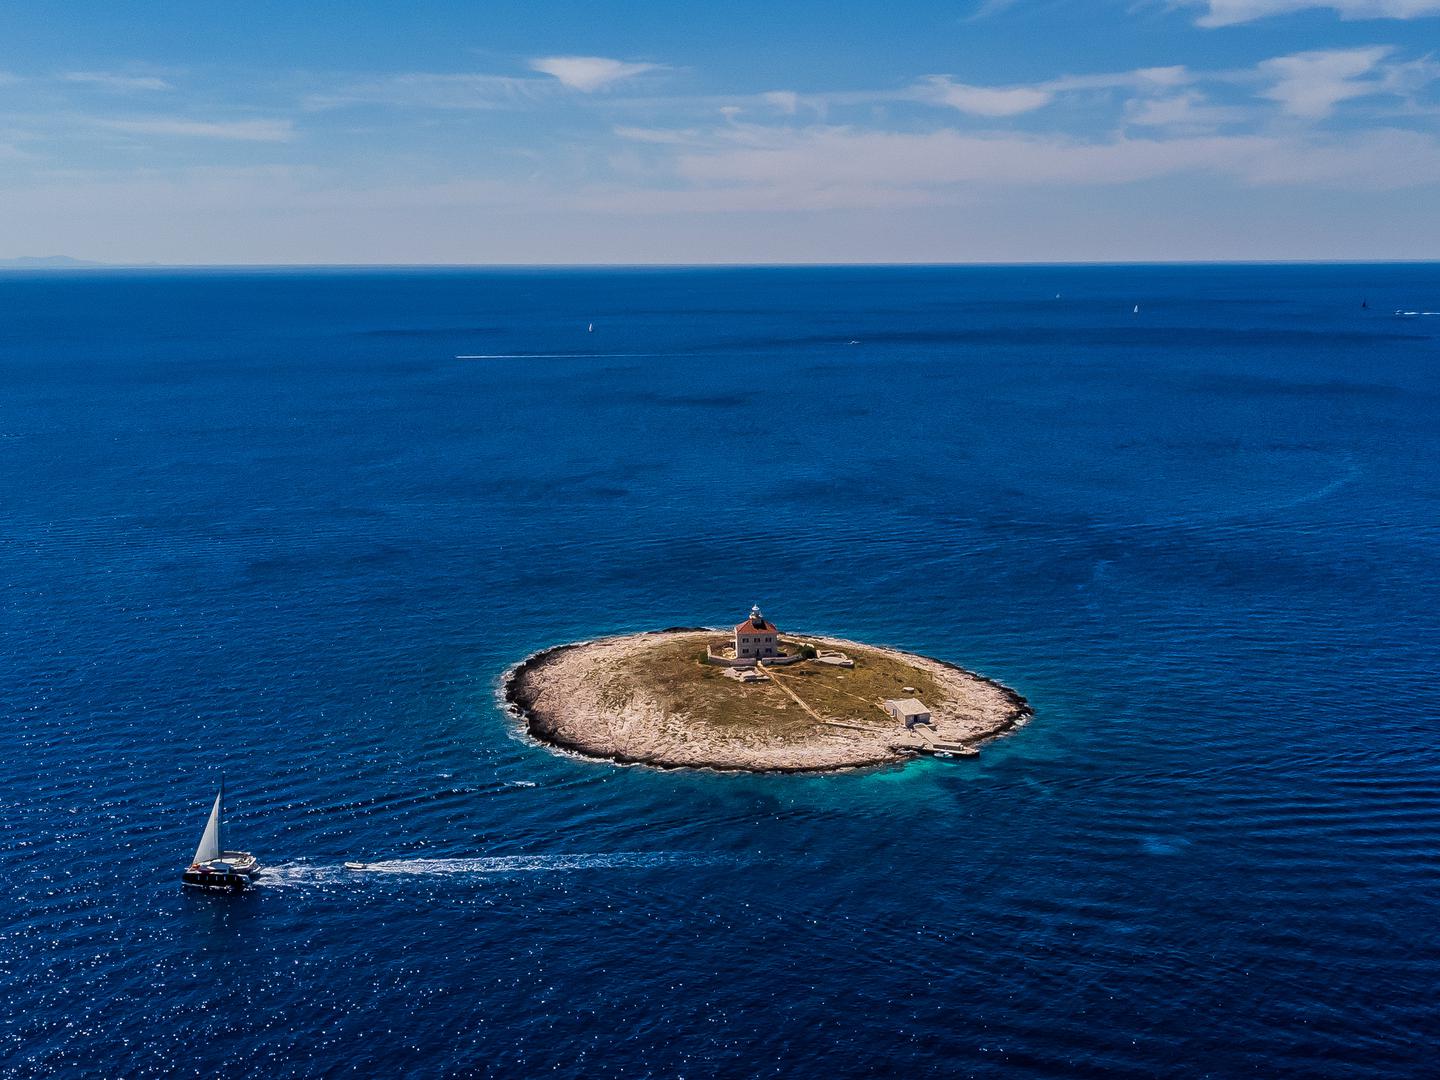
(559, 131)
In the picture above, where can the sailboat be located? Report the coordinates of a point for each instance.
(214, 869)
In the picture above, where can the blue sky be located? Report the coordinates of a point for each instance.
(560, 132)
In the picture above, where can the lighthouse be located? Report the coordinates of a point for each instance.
(756, 637)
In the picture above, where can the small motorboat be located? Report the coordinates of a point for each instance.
(356, 866)
(214, 869)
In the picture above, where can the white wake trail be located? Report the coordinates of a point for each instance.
(300, 873)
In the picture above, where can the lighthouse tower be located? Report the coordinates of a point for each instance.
(756, 637)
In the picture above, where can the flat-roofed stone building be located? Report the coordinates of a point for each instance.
(909, 711)
(756, 637)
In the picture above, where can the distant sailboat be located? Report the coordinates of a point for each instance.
(1137, 310)
(214, 869)
(590, 329)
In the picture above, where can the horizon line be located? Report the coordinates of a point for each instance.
(43, 264)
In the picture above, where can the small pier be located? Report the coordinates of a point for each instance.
(920, 739)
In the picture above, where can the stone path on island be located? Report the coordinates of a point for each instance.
(917, 738)
(774, 677)
(777, 679)
(920, 737)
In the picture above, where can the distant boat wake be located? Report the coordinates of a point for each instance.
(558, 355)
(1352, 473)
(300, 873)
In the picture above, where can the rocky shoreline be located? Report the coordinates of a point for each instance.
(580, 698)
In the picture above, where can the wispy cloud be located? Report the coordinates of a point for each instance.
(986, 8)
(239, 130)
(787, 101)
(945, 92)
(983, 100)
(1144, 80)
(1188, 110)
(432, 90)
(589, 73)
(657, 136)
(1306, 85)
(842, 166)
(1311, 84)
(1231, 12)
(110, 81)
(1169, 125)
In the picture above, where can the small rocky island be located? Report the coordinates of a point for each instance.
(755, 700)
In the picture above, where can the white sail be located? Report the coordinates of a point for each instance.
(210, 840)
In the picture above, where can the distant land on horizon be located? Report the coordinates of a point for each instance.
(48, 262)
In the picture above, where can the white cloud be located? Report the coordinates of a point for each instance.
(429, 90)
(787, 101)
(1386, 160)
(1147, 80)
(1311, 84)
(239, 130)
(657, 136)
(116, 82)
(1023, 203)
(755, 199)
(1000, 101)
(837, 156)
(589, 73)
(1188, 109)
(982, 100)
(834, 166)
(1230, 12)
(990, 7)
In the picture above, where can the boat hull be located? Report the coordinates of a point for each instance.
(215, 883)
(234, 872)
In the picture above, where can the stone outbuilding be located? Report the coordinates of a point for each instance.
(909, 711)
(756, 637)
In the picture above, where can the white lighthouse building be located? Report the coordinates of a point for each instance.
(756, 637)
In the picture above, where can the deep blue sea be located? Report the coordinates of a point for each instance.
(268, 524)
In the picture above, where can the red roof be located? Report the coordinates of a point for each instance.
(750, 626)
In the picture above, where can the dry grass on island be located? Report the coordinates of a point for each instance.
(653, 699)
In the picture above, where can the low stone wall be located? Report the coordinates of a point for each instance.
(721, 660)
(713, 657)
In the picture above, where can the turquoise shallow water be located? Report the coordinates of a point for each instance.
(267, 523)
